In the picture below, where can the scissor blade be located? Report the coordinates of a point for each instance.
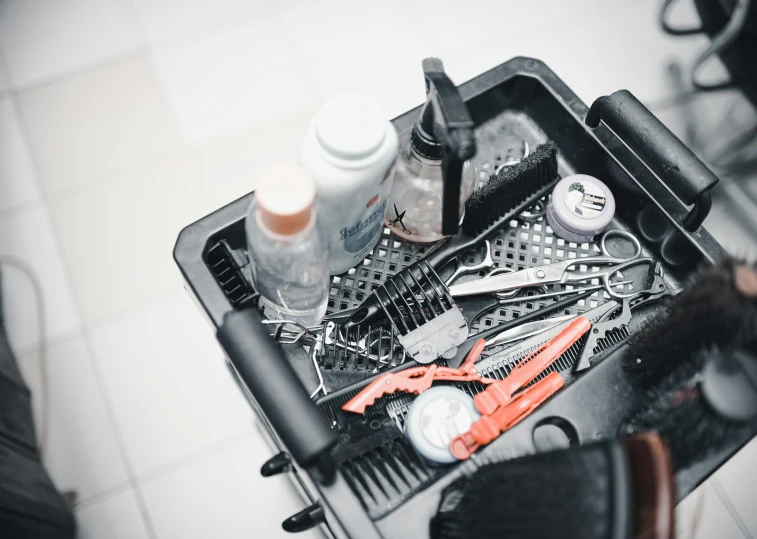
(496, 283)
(527, 330)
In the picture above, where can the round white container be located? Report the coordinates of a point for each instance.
(580, 207)
(435, 418)
(350, 152)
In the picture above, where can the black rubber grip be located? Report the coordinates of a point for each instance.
(669, 158)
(265, 371)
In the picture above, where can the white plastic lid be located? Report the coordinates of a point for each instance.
(582, 205)
(351, 126)
(285, 195)
(435, 418)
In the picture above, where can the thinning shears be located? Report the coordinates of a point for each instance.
(560, 272)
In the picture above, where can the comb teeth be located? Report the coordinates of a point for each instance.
(413, 297)
(504, 191)
(376, 461)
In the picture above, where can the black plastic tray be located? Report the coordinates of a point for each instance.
(382, 488)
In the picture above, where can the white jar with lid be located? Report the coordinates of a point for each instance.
(581, 206)
(350, 152)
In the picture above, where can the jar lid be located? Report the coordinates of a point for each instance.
(351, 126)
(285, 195)
(435, 418)
(582, 204)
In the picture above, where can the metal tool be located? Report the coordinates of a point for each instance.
(559, 272)
(505, 299)
(526, 330)
(500, 404)
(314, 356)
(462, 269)
(556, 307)
(512, 162)
(289, 331)
(611, 332)
(364, 346)
(604, 328)
(599, 330)
(361, 349)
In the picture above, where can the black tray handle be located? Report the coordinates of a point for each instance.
(265, 371)
(669, 158)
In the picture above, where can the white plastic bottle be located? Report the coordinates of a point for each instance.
(350, 152)
(287, 251)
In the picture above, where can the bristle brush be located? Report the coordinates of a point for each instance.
(702, 406)
(508, 188)
(718, 307)
(506, 194)
(606, 490)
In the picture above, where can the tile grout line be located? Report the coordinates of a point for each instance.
(134, 481)
(106, 494)
(726, 501)
(75, 72)
(104, 321)
(118, 435)
(130, 12)
(102, 388)
(196, 456)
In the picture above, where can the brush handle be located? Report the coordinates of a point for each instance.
(461, 243)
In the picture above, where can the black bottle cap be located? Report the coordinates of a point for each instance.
(425, 145)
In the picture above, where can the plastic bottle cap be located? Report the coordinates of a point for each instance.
(437, 416)
(351, 126)
(285, 195)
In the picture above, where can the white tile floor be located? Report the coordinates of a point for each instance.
(123, 120)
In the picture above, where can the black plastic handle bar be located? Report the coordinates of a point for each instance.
(664, 153)
(262, 367)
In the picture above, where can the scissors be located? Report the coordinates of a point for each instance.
(462, 269)
(559, 272)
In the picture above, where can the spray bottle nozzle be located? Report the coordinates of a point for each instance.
(444, 131)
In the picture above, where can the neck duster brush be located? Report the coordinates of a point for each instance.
(705, 404)
(718, 307)
(695, 366)
(613, 489)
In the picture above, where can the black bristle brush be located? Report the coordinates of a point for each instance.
(702, 406)
(502, 198)
(611, 489)
(718, 307)
(510, 187)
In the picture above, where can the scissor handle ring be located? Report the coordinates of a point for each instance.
(534, 215)
(509, 293)
(623, 234)
(627, 264)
